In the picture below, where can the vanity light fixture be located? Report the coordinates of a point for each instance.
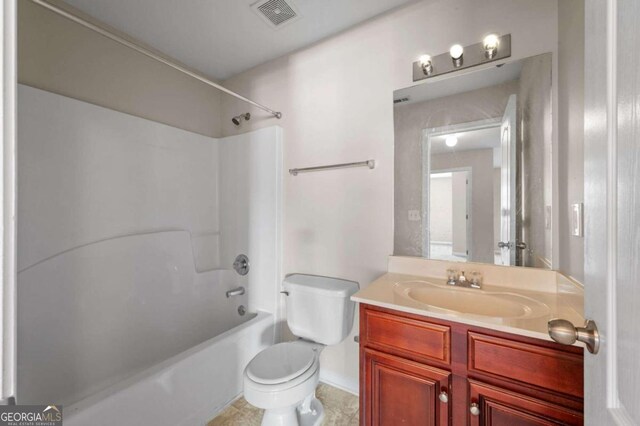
(427, 66)
(491, 48)
(490, 44)
(451, 141)
(456, 53)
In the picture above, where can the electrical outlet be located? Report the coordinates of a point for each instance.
(414, 215)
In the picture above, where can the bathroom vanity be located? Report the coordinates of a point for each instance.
(474, 186)
(433, 360)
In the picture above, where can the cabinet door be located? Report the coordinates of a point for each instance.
(399, 391)
(497, 407)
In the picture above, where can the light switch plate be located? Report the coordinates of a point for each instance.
(414, 215)
(577, 220)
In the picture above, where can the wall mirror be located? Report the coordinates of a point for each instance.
(474, 166)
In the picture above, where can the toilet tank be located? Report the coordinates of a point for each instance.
(320, 308)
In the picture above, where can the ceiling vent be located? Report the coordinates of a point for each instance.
(276, 13)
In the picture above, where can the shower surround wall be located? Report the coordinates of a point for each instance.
(127, 233)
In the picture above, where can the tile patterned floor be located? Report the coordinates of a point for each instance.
(340, 408)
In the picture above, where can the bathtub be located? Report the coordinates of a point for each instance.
(128, 332)
(188, 389)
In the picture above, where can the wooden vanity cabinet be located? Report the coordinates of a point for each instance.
(416, 370)
(405, 392)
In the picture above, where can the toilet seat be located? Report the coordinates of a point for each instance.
(281, 363)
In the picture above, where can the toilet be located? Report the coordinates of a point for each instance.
(282, 379)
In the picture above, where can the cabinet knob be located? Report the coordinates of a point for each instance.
(474, 409)
(444, 397)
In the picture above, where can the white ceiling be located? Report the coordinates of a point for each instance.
(488, 138)
(467, 141)
(222, 38)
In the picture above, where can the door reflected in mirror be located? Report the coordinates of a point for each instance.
(473, 158)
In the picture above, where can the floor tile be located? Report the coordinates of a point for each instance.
(341, 409)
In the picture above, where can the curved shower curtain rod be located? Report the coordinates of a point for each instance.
(60, 11)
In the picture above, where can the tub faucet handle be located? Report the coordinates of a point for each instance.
(241, 264)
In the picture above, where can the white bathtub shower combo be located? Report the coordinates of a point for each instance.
(127, 235)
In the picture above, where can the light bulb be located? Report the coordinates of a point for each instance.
(456, 52)
(451, 141)
(490, 44)
(425, 63)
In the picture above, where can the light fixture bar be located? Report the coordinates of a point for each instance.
(474, 54)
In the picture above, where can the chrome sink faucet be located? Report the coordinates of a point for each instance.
(460, 280)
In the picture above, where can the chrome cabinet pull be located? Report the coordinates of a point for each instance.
(565, 333)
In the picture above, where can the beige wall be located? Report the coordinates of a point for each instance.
(336, 97)
(59, 56)
(571, 129)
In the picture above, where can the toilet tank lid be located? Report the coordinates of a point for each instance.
(326, 286)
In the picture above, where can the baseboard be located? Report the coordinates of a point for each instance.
(340, 382)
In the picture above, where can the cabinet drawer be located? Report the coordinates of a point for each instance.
(547, 368)
(400, 335)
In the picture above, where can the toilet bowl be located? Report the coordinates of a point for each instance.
(282, 379)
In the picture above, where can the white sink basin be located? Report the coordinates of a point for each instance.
(457, 300)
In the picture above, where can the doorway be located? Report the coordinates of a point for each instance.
(450, 224)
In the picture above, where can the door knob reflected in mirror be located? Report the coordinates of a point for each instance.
(502, 244)
(565, 333)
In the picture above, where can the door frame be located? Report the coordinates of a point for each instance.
(427, 134)
(8, 35)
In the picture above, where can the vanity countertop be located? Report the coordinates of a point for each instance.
(564, 300)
